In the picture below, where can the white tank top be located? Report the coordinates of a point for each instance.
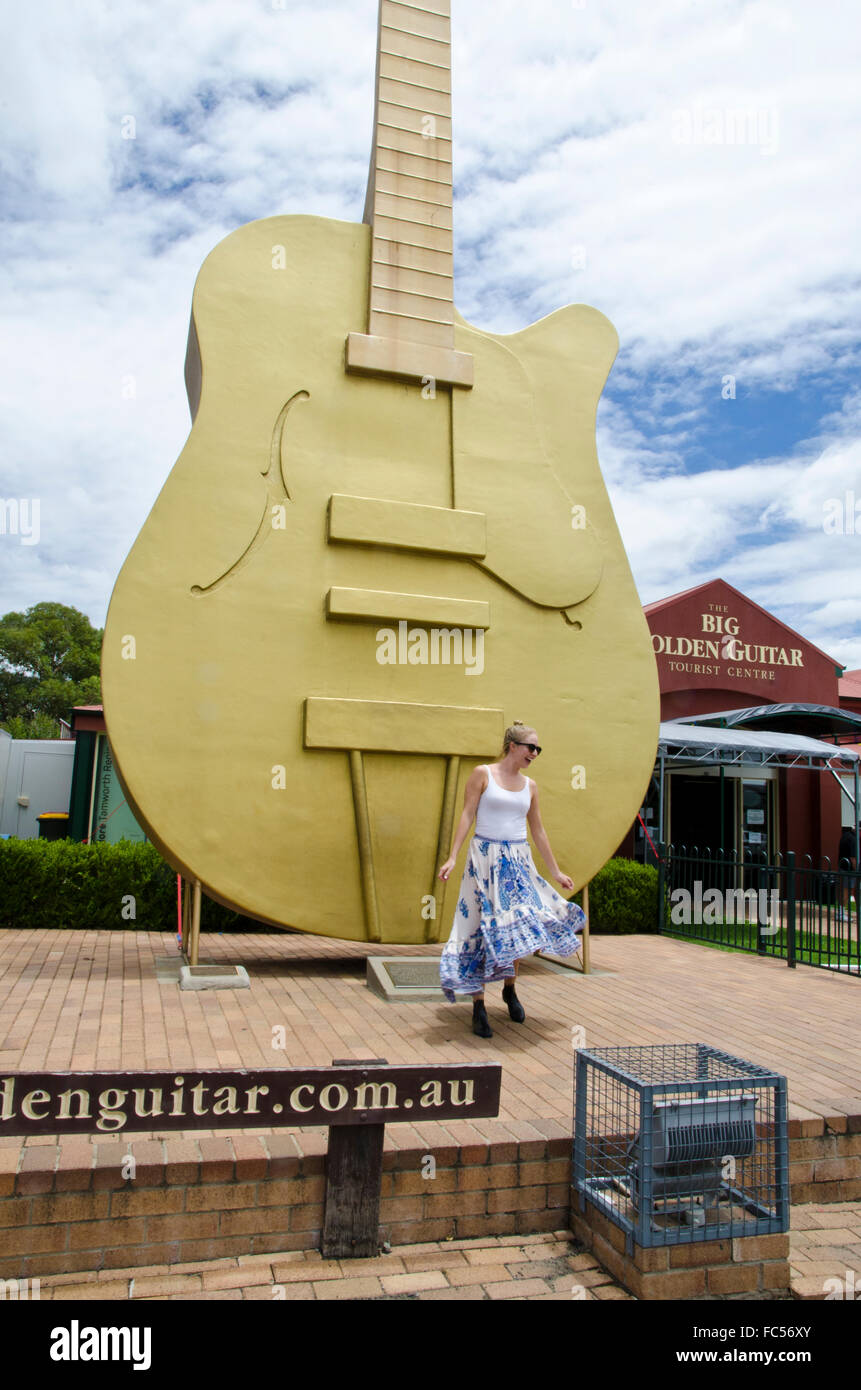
(501, 814)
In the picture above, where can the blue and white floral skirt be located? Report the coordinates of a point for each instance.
(505, 910)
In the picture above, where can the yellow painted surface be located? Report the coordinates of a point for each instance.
(225, 590)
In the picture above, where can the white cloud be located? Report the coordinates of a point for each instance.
(709, 258)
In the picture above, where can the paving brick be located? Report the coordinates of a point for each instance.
(465, 1294)
(363, 1287)
(414, 1282)
(74, 1166)
(107, 1289)
(181, 1161)
(434, 1259)
(488, 1255)
(517, 1288)
(252, 1160)
(237, 1278)
(297, 1273)
(285, 1157)
(808, 1288)
(213, 1296)
(281, 1293)
(217, 1160)
(156, 1286)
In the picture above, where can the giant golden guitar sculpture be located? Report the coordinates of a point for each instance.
(420, 477)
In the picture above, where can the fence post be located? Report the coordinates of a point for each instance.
(790, 908)
(661, 883)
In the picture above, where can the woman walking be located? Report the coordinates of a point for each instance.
(505, 910)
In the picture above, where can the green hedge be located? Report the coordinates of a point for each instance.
(623, 898)
(67, 885)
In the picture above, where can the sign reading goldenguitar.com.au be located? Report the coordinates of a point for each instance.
(113, 1102)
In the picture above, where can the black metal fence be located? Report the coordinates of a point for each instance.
(789, 908)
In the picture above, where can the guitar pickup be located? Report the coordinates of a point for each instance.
(407, 526)
(428, 610)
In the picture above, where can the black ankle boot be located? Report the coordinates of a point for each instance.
(480, 1023)
(516, 1011)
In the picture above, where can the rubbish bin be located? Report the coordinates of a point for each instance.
(53, 825)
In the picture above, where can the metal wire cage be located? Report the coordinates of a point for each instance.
(681, 1142)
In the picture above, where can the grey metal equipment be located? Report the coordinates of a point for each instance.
(691, 1143)
(680, 1142)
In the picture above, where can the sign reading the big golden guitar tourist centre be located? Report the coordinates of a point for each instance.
(720, 641)
(114, 1102)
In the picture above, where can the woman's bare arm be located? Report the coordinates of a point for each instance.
(475, 785)
(542, 844)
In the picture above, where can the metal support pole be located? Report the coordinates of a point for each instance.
(662, 883)
(662, 834)
(194, 937)
(790, 908)
(587, 952)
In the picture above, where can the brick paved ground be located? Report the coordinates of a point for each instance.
(91, 1000)
(88, 1000)
(825, 1243)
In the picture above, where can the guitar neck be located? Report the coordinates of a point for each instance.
(409, 202)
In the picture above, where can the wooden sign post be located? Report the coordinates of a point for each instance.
(355, 1099)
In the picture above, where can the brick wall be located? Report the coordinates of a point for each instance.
(740, 1268)
(65, 1208)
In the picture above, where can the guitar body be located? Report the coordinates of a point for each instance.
(273, 745)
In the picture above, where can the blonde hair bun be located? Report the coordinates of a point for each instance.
(511, 735)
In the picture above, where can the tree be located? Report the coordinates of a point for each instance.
(49, 661)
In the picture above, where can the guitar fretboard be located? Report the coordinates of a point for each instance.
(409, 202)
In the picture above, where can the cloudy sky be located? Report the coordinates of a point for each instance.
(689, 168)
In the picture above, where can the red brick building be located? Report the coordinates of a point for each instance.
(720, 654)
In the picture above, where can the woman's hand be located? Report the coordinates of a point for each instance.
(565, 882)
(446, 868)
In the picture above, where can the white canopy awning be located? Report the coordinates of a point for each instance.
(700, 743)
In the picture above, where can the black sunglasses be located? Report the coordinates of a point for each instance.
(535, 747)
